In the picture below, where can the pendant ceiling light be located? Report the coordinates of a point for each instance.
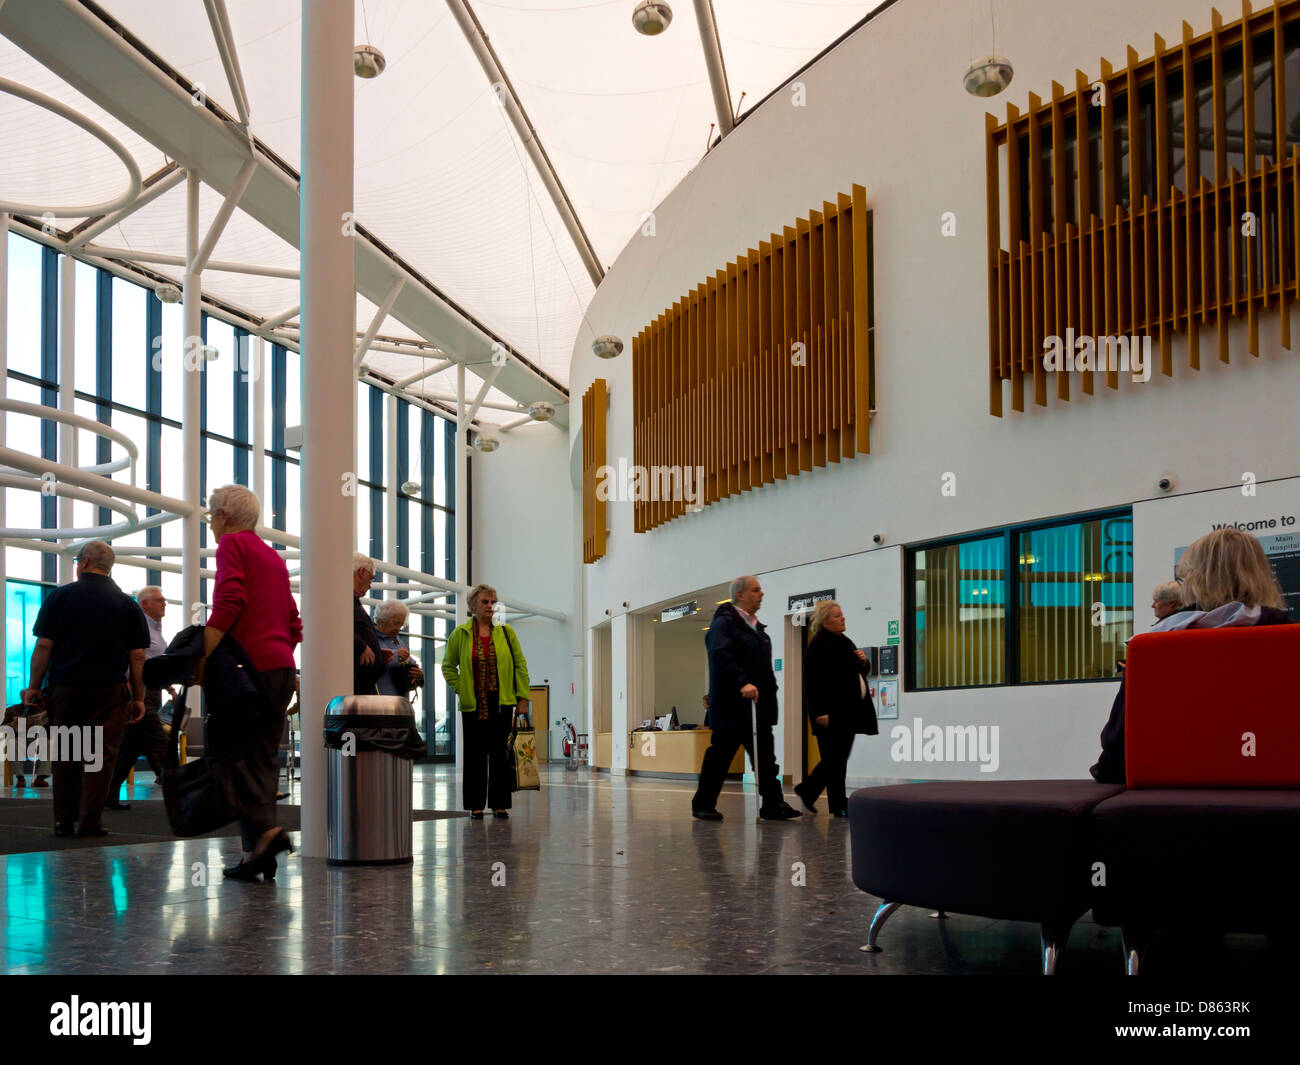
(541, 411)
(990, 74)
(607, 347)
(652, 17)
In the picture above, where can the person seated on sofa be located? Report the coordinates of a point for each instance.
(1227, 582)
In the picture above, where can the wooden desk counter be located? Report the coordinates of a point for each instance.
(679, 753)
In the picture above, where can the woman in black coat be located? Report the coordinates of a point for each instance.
(835, 696)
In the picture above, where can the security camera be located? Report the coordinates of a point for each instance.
(878, 538)
(626, 604)
(1164, 484)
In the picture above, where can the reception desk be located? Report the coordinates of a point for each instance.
(674, 753)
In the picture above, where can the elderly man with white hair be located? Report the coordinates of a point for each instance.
(403, 673)
(88, 668)
(369, 658)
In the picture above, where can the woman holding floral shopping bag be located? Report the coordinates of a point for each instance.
(485, 666)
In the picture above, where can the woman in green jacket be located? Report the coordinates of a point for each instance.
(485, 666)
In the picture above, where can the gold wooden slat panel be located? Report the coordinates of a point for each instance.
(593, 458)
(1170, 251)
(714, 377)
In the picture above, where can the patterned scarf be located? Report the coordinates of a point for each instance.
(485, 671)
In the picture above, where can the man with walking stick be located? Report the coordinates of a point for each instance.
(742, 704)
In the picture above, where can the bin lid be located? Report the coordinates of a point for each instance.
(369, 706)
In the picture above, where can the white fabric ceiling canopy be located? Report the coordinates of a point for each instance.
(441, 175)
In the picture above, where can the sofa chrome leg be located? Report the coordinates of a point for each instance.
(878, 919)
(1052, 940)
(1134, 942)
(940, 915)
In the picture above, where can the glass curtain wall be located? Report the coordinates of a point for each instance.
(128, 374)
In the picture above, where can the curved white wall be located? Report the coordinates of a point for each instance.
(886, 109)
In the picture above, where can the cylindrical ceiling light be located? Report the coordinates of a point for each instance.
(368, 61)
(988, 76)
(652, 17)
(607, 347)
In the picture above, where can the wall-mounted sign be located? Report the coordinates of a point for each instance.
(681, 610)
(893, 628)
(803, 602)
(1283, 551)
(778, 666)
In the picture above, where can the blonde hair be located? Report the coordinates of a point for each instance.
(478, 591)
(821, 613)
(1168, 592)
(1227, 566)
(241, 508)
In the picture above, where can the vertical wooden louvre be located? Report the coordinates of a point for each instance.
(1162, 201)
(593, 460)
(762, 371)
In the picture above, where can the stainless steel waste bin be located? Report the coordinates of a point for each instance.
(369, 789)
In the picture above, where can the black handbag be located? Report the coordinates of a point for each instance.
(203, 795)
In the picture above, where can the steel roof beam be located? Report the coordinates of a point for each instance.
(708, 24)
(509, 99)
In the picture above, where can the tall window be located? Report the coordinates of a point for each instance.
(129, 373)
(1066, 617)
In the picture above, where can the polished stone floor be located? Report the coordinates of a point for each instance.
(592, 874)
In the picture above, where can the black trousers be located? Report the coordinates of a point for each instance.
(829, 773)
(146, 737)
(717, 760)
(486, 772)
(80, 790)
(258, 743)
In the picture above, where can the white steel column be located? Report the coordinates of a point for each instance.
(462, 527)
(329, 387)
(4, 439)
(391, 485)
(67, 396)
(257, 382)
(462, 494)
(191, 409)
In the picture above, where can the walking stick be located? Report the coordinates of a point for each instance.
(753, 760)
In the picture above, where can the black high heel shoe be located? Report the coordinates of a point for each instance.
(263, 864)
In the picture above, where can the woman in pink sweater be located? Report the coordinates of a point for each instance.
(252, 604)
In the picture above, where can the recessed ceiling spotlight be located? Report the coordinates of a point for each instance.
(652, 17)
(368, 61)
(988, 76)
(541, 411)
(607, 347)
(168, 293)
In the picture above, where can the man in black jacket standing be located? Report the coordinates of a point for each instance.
(369, 660)
(740, 670)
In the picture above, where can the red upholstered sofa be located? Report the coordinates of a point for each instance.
(1207, 831)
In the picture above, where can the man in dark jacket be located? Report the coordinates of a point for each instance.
(369, 661)
(87, 668)
(740, 671)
